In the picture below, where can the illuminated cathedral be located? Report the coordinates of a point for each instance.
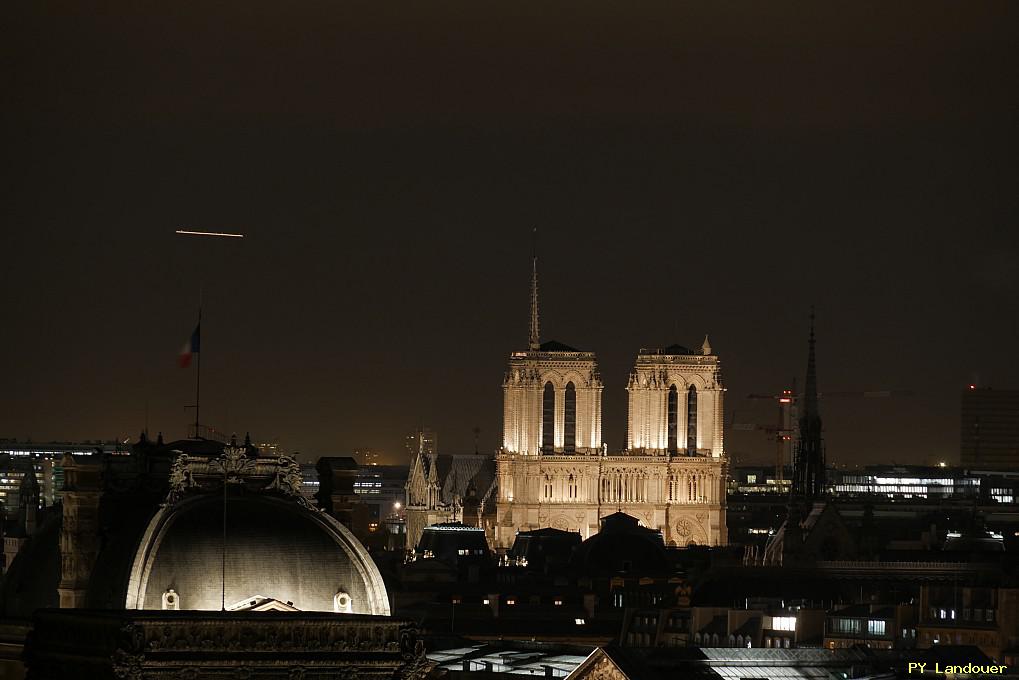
(553, 469)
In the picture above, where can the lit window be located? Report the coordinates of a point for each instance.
(511, 602)
(579, 622)
(558, 603)
(783, 623)
(485, 601)
(876, 627)
(751, 479)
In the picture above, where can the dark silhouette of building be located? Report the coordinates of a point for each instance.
(990, 429)
(809, 468)
(188, 546)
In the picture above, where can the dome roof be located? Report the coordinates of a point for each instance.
(622, 545)
(274, 548)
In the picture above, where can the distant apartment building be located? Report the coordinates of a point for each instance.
(989, 428)
(760, 479)
(896, 482)
(423, 442)
(906, 482)
(383, 488)
(45, 460)
(982, 615)
(767, 625)
(871, 625)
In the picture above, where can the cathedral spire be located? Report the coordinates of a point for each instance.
(534, 344)
(810, 389)
(809, 475)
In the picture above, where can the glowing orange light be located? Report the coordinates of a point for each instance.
(972, 387)
(785, 400)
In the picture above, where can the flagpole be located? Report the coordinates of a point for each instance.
(198, 370)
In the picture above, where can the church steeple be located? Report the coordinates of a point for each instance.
(810, 389)
(809, 476)
(28, 497)
(534, 344)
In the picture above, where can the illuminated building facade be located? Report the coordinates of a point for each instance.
(554, 470)
(907, 482)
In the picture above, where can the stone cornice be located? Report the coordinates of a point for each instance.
(148, 644)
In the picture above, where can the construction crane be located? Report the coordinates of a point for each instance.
(785, 426)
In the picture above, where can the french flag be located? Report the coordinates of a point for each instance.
(190, 348)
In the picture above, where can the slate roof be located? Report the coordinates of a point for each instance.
(456, 473)
(693, 662)
(556, 346)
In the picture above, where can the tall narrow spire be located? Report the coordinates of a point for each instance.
(809, 475)
(810, 388)
(534, 344)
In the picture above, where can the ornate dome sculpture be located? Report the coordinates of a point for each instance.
(269, 543)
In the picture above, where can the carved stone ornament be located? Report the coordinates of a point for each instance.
(180, 478)
(234, 464)
(288, 479)
(684, 528)
(128, 659)
(418, 665)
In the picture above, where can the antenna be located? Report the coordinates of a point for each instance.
(534, 344)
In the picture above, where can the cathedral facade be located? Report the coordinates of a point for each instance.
(553, 470)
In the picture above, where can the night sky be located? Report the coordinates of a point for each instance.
(692, 168)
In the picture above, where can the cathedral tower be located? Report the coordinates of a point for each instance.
(675, 405)
(553, 469)
(551, 395)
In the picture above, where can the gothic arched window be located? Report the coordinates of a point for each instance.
(570, 422)
(548, 419)
(691, 421)
(673, 419)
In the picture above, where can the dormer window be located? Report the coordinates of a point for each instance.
(342, 603)
(171, 600)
